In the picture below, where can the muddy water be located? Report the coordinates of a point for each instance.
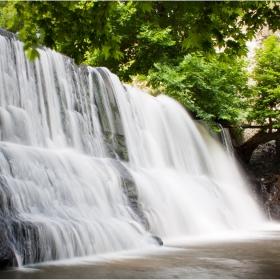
(254, 256)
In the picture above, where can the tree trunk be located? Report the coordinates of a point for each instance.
(249, 146)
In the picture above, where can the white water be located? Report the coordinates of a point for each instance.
(226, 138)
(187, 182)
(59, 186)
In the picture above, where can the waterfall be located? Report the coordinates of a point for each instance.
(89, 165)
(226, 138)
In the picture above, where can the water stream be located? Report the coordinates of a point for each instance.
(90, 166)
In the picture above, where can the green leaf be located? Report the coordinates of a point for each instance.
(193, 40)
(106, 51)
(32, 54)
(146, 6)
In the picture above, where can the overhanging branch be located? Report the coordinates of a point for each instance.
(247, 126)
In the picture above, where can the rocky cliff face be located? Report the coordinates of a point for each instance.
(264, 174)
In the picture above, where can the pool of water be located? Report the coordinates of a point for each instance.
(242, 255)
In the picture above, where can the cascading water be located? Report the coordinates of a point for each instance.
(88, 165)
(187, 183)
(226, 138)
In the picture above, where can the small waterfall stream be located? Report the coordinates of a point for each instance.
(88, 165)
(226, 138)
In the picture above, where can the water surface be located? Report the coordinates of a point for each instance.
(244, 256)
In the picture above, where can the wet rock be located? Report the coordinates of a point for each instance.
(7, 256)
(264, 174)
(274, 210)
(131, 192)
(109, 115)
(116, 146)
(7, 34)
(158, 240)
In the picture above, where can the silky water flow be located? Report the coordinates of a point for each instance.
(90, 166)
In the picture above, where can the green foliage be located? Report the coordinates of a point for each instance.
(32, 54)
(8, 18)
(130, 37)
(265, 100)
(213, 90)
(72, 28)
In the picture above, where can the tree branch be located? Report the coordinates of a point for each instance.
(246, 126)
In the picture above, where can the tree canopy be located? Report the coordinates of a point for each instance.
(129, 37)
(213, 90)
(265, 101)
